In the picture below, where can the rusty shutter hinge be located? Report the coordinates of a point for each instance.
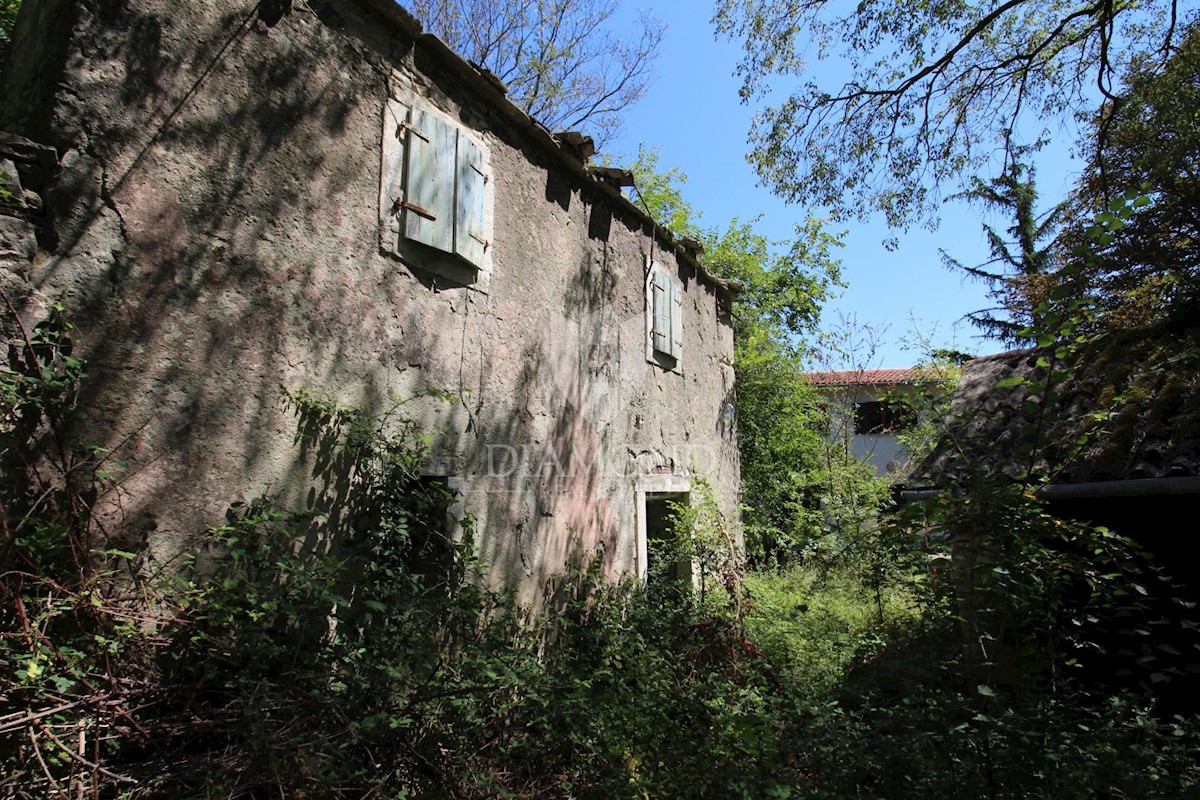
(424, 212)
(408, 126)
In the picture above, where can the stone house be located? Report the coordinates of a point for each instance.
(253, 197)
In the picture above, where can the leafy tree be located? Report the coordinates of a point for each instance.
(1152, 139)
(659, 191)
(781, 438)
(783, 288)
(932, 90)
(561, 63)
(782, 424)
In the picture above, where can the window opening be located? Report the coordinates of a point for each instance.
(878, 417)
(431, 527)
(436, 193)
(668, 560)
(664, 318)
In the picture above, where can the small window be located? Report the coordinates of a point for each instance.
(433, 507)
(664, 318)
(435, 194)
(878, 417)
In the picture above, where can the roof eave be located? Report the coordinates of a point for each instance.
(563, 153)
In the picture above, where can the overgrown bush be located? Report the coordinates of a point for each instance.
(345, 651)
(1021, 678)
(818, 622)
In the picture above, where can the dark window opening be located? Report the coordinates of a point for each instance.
(876, 417)
(431, 526)
(667, 559)
(665, 317)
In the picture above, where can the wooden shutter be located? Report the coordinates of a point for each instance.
(429, 207)
(676, 320)
(468, 215)
(660, 310)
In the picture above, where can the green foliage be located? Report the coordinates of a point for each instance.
(324, 653)
(1148, 269)
(821, 622)
(660, 192)
(843, 494)
(784, 282)
(784, 288)
(929, 400)
(782, 422)
(8, 18)
(1046, 641)
(1012, 686)
(342, 651)
(69, 623)
(929, 742)
(704, 540)
(922, 94)
(782, 432)
(659, 691)
(1019, 273)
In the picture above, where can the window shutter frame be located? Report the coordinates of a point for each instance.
(436, 193)
(676, 320)
(660, 311)
(393, 171)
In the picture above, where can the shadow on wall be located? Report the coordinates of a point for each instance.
(216, 233)
(560, 438)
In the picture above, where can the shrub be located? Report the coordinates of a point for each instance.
(345, 651)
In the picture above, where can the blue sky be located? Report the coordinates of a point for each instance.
(694, 116)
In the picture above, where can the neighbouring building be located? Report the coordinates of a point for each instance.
(1110, 434)
(868, 407)
(250, 197)
(1104, 431)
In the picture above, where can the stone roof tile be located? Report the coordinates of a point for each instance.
(1123, 407)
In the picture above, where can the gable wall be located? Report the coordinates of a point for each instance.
(214, 234)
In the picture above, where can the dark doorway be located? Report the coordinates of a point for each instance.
(667, 559)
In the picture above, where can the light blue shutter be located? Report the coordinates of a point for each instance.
(429, 210)
(468, 219)
(676, 320)
(660, 305)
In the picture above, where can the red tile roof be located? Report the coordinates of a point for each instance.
(867, 377)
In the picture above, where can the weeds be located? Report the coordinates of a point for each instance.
(345, 651)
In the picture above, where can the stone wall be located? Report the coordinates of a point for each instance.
(213, 228)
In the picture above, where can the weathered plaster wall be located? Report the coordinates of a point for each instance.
(214, 232)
